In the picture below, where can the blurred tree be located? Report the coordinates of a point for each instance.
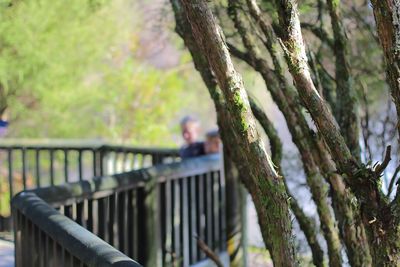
(324, 65)
(68, 70)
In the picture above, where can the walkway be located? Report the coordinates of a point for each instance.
(6, 253)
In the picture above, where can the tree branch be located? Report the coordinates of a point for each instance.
(265, 186)
(307, 225)
(320, 33)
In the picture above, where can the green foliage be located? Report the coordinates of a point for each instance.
(69, 70)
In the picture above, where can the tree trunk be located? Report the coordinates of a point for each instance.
(285, 98)
(387, 17)
(346, 101)
(265, 186)
(363, 181)
(307, 225)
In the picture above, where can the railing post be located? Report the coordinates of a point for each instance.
(236, 231)
(149, 250)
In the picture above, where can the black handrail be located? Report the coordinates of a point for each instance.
(34, 164)
(45, 237)
(150, 214)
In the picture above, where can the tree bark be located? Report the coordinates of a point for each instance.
(363, 181)
(346, 101)
(285, 97)
(387, 17)
(307, 225)
(265, 186)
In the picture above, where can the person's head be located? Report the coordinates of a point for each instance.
(190, 129)
(212, 143)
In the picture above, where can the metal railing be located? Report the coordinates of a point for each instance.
(150, 214)
(44, 237)
(34, 164)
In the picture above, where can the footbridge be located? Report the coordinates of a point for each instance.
(95, 204)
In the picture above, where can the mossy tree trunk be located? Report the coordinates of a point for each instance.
(307, 225)
(285, 98)
(375, 208)
(238, 126)
(387, 17)
(346, 102)
(368, 221)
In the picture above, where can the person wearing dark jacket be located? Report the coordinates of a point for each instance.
(190, 132)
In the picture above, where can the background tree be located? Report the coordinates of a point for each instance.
(83, 57)
(268, 37)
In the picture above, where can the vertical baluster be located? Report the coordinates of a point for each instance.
(67, 258)
(59, 255)
(80, 171)
(155, 159)
(130, 223)
(163, 216)
(135, 161)
(39, 248)
(37, 167)
(200, 213)
(36, 259)
(193, 219)
(111, 219)
(94, 164)
(172, 218)
(76, 262)
(49, 248)
(68, 211)
(102, 155)
(10, 171)
(216, 212)
(80, 208)
(89, 216)
(46, 250)
(66, 165)
(17, 237)
(121, 222)
(141, 194)
(23, 155)
(168, 222)
(115, 162)
(24, 237)
(147, 200)
(51, 151)
(208, 209)
(185, 220)
(222, 217)
(102, 211)
(177, 220)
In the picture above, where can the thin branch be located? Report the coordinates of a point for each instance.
(393, 180)
(366, 132)
(381, 167)
(320, 33)
(213, 256)
(365, 24)
(237, 53)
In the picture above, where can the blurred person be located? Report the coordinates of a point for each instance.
(212, 145)
(190, 128)
(3, 124)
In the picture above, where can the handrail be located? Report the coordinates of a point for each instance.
(78, 144)
(81, 244)
(37, 163)
(133, 179)
(149, 214)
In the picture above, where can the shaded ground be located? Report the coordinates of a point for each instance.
(6, 253)
(258, 257)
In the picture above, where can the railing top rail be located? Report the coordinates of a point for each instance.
(78, 145)
(104, 185)
(77, 240)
